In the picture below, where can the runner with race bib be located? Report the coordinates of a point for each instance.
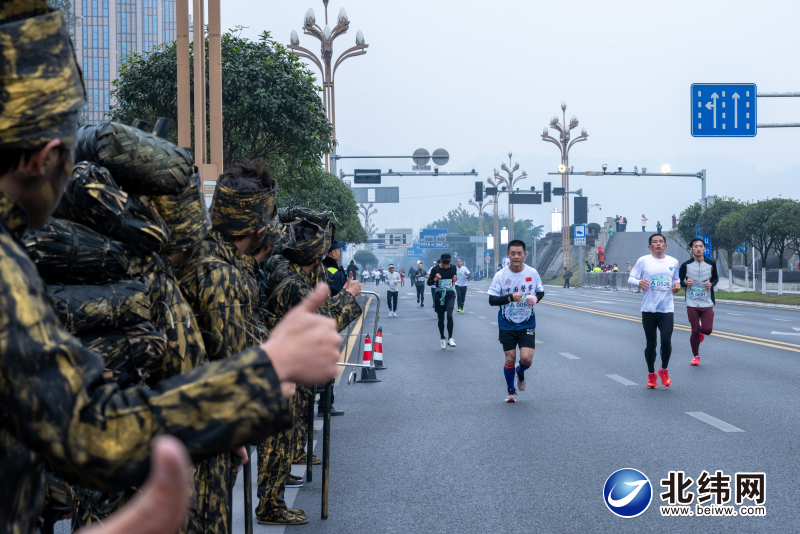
(657, 276)
(699, 276)
(442, 279)
(516, 288)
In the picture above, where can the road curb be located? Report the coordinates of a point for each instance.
(759, 304)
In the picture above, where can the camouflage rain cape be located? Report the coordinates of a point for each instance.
(186, 216)
(240, 213)
(41, 89)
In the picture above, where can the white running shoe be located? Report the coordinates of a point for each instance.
(511, 394)
(443, 343)
(451, 342)
(521, 381)
(395, 314)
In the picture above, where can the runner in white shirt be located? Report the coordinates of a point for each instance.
(516, 289)
(461, 284)
(376, 275)
(366, 274)
(393, 281)
(657, 276)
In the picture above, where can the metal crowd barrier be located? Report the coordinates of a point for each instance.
(609, 281)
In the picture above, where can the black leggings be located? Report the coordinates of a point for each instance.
(449, 301)
(664, 323)
(421, 293)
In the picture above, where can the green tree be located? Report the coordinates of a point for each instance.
(709, 218)
(791, 214)
(271, 107)
(755, 223)
(365, 258)
(330, 193)
(689, 218)
(730, 235)
(779, 228)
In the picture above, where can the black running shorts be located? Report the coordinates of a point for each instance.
(511, 339)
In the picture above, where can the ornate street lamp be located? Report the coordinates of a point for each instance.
(366, 210)
(564, 144)
(326, 37)
(509, 182)
(481, 206)
(496, 240)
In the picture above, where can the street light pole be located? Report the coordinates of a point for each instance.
(366, 210)
(510, 181)
(496, 239)
(481, 205)
(564, 144)
(326, 37)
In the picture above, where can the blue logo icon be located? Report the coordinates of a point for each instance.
(627, 493)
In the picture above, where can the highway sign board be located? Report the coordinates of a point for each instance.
(580, 231)
(415, 252)
(433, 238)
(559, 191)
(723, 109)
(377, 195)
(524, 198)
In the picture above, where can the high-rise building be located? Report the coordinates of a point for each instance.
(109, 30)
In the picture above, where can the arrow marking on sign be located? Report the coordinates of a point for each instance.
(710, 105)
(735, 97)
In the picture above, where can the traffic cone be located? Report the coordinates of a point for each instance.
(368, 373)
(378, 356)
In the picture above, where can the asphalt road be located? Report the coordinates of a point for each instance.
(433, 447)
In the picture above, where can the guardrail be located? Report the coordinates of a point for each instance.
(609, 281)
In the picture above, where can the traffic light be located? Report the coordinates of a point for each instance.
(478, 191)
(581, 212)
(547, 192)
(559, 191)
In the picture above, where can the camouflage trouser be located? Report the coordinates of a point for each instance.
(300, 425)
(274, 464)
(214, 483)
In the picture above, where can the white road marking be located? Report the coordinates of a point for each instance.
(481, 317)
(784, 333)
(470, 312)
(566, 354)
(734, 314)
(784, 320)
(796, 329)
(621, 380)
(594, 302)
(713, 421)
(490, 322)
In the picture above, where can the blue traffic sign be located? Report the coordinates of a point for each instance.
(580, 231)
(723, 109)
(706, 241)
(416, 252)
(433, 238)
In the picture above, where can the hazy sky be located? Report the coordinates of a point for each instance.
(481, 79)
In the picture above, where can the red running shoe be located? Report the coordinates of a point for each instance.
(664, 374)
(695, 361)
(702, 337)
(652, 381)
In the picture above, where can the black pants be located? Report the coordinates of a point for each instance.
(421, 293)
(391, 298)
(461, 296)
(566, 283)
(445, 309)
(433, 293)
(664, 323)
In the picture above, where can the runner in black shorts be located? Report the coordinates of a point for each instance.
(516, 289)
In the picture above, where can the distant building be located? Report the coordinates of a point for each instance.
(109, 30)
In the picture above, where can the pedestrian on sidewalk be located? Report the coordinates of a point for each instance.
(616, 223)
(658, 227)
(567, 276)
(393, 281)
(624, 224)
(611, 235)
(674, 222)
(644, 222)
(601, 256)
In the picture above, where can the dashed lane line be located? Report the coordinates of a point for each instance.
(725, 335)
(713, 421)
(774, 333)
(621, 380)
(566, 354)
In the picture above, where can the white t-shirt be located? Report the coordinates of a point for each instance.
(366, 274)
(662, 274)
(462, 273)
(516, 315)
(376, 274)
(393, 279)
(644, 222)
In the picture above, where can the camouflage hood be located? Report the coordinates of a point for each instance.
(273, 233)
(236, 213)
(41, 88)
(185, 215)
(303, 242)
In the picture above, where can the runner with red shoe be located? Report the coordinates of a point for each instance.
(516, 288)
(699, 276)
(657, 276)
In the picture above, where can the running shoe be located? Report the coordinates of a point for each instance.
(695, 361)
(452, 343)
(702, 337)
(521, 380)
(652, 381)
(443, 343)
(511, 393)
(422, 305)
(664, 374)
(395, 314)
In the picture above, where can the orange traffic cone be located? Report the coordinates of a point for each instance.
(378, 356)
(368, 373)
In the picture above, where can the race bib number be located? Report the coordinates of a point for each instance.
(519, 312)
(421, 278)
(445, 284)
(698, 293)
(661, 282)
